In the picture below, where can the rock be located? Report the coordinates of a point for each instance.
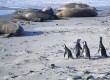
(74, 78)
(90, 77)
(77, 78)
(86, 72)
(52, 66)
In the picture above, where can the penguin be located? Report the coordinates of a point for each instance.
(77, 48)
(86, 51)
(102, 48)
(68, 52)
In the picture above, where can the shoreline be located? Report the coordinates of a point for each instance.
(40, 7)
(102, 12)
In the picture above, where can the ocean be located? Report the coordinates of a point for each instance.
(51, 3)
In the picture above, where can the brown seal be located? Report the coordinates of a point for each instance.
(33, 15)
(11, 29)
(76, 10)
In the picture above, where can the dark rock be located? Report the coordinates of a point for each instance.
(52, 66)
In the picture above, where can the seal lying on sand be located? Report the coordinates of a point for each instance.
(76, 10)
(10, 29)
(75, 5)
(33, 15)
(48, 10)
(76, 13)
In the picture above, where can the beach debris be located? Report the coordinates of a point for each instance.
(86, 72)
(90, 77)
(74, 78)
(33, 15)
(3, 50)
(52, 66)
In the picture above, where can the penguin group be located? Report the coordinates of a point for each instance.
(84, 51)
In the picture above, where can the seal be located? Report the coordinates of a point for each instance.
(48, 10)
(77, 48)
(86, 51)
(74, 5)
(102, 49)
(72, 12)
(33, 15)
(68, 52)
(10, 29)
(76, 10)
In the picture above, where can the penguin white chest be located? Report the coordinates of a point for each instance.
(84, 53)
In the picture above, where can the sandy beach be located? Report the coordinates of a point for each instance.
(29, 57)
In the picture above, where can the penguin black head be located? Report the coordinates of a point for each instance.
(100, 38)
(65, 46)
(78, 40)
(84, 42)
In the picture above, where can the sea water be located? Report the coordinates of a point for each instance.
(52, 3)
(5, 12)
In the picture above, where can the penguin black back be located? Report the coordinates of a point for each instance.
(68, 52)
(85, 50)
(77, 48)
(102, 48)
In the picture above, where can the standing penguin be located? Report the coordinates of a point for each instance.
(68, 52)
(102, 48)
(77, 48)
(86, 51)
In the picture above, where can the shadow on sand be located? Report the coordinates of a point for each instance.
(24, 34)
(100, 57)
(32, 33)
